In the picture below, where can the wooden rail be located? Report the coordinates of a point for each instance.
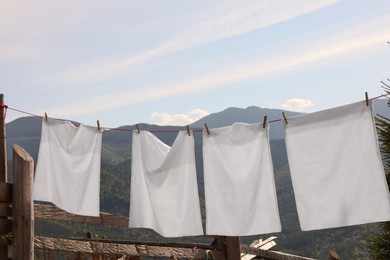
(51, 212)
(123, 248)
(119, 249)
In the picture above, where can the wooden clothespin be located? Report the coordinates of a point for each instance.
(188, 130)
(46, 117)
(98, 125)
(285, 118)
(367, 101)
(265, 121)
(207, 129)
(138, 128)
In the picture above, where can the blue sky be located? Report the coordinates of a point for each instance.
(172, 62)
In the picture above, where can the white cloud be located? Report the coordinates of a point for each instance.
(227, 21)
(232, 75)
(297, 104)
(362, 37)
(178, 119)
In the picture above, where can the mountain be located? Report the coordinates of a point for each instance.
(250, 115)
(349, 242)
(255, 114)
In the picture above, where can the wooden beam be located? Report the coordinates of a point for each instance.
(51, 212)
(5, 209)
(271, 255)
(68, 245)
(23, 209)
(5, 192)
(5, 226)
(150, 243)
(6, 239)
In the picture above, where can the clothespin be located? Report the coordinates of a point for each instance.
(98, 125)
(367, 102)
(188, 130)
(285, 118)
(46, 117)
(138, 128)
(207, 129)
(264, 121)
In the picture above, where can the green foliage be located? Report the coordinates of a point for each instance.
(380, 242)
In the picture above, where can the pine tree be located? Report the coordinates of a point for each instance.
(380, 243)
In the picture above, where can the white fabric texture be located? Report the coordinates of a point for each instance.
(68, 167)
(336, 168)
(239, 181)
(164, 190)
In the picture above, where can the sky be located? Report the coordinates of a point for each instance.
(172, 62)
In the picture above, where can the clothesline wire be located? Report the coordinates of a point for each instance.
(130, 130)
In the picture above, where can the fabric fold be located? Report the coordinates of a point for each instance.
(164, 191)
(336, 168)
(239, 181)
(68, 167)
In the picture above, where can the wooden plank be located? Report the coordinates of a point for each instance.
(68, 245)
(5, 192)
(150, 243)
(332, 254)
(271, 255)
(54, 213)
(5, 209)
(6, 239)
(23, 209)
(5, 226)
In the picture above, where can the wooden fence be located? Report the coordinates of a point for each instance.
(17, 214)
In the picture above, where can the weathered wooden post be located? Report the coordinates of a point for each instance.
(3, 163)
(233, 251)
(23, 205)
(3, 142)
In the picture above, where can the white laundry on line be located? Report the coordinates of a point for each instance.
(336, 168)
(164, 191)
(68, 167)
(239, 181)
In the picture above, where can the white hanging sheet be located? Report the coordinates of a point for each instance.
(239, 181)
(164, 191)
(68, 167)
(336, 168)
